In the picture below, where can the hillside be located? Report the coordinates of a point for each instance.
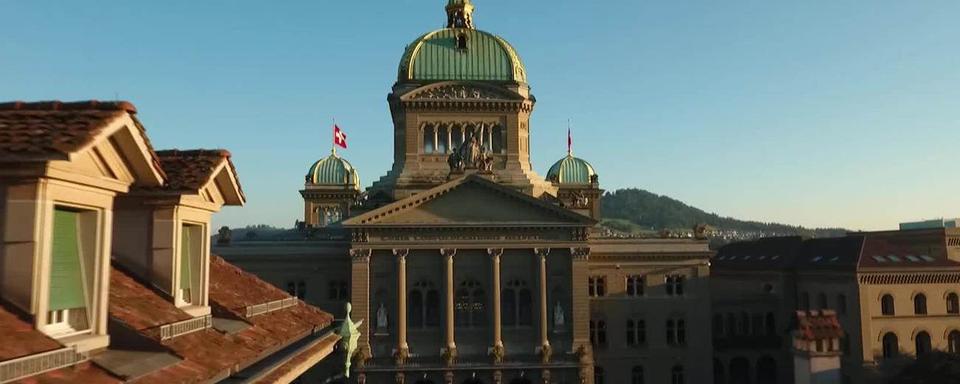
(637, 211)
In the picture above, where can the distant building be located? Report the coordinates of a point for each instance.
(895, 294)
(930, 224)
(106, 269)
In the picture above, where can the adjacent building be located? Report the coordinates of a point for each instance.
(894, 294)
(106, 274)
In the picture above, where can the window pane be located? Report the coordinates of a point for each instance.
(66, 279)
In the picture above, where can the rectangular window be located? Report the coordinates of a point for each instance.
(636, 332)
(598, 333)
(429, 145)
(191, 240)
(635, 285)
(597, 286)
(70, 279)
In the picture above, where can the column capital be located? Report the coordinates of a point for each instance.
(542, 252)
(495, 252)
(360, 255)
(448, 252)
(401, 253)
(580, 253)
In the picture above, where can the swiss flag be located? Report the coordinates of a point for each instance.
(339, 138)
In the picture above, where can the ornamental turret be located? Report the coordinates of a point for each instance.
(578, 186)
(331, 188)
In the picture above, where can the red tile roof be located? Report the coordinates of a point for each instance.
(86, 373)
(209, 354)
(818, 325)
(137, 306)
(906, 249)
(190, 169)
(51, 130)
(20, 338)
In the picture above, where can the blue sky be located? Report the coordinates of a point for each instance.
(818, 113)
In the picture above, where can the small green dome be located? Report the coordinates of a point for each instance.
(571, 170)
(333, 171)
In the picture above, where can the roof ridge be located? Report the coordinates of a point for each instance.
(57, 105)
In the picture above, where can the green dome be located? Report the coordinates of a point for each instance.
(435, 56)
(571, 170)
(333, 171)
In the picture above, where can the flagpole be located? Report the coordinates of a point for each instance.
(569, 139)
(333, 143)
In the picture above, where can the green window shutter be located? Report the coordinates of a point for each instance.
(66, 279)
(186, 261)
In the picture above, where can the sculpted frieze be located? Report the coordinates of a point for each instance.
(461, 92)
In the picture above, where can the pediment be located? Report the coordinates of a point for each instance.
(470, 201)
(458, 91)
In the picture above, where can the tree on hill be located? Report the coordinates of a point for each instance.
(655, 212)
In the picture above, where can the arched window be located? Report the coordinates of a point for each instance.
(636, 375)
(717, 325)
(766, 370)
(770, 323)
(598, 375)
(718, 376)
(953, 303)
(920, 304)
(922, 342)
(415, 309)
(470, 302)
(740, 371)
(676, 375)
(731, 325)
(886, 305)
(953, 342)
(432, 313)
(891, 346)
(744, 324)
(822, 301)
(423, 306)
(517, 303)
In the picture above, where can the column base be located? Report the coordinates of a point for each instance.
(546, 353)
(498, 353)
(449, 356)
(401, 355)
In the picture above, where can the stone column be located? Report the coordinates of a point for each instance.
(450, 348)
(544, 348)
(360, 299)
(581, 312)
(497, 350)
(449, 137)
(403, 350)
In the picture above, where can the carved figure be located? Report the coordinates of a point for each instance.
(349, 336)
(382, 317)
(558, 317)
(454, 160)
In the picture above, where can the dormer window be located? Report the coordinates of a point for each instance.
(462, 41)
(71, 272)
(191, 254)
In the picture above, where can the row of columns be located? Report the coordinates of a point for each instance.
(483, 132)
(497, 350)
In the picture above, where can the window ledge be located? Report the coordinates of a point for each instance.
(86, 342)
(196, 310)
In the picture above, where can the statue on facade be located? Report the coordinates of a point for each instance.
(349, 336)
(381, 317)
(470, 155)
(558, 318)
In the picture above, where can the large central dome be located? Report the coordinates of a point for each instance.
(460, 52)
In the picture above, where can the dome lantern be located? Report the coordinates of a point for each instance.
(572, 170)
(459, 14)
(333, 171)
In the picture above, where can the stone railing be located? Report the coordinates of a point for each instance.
(30, 365)
(276, 305)
(169, 331)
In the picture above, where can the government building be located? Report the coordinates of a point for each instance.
(466, 265)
